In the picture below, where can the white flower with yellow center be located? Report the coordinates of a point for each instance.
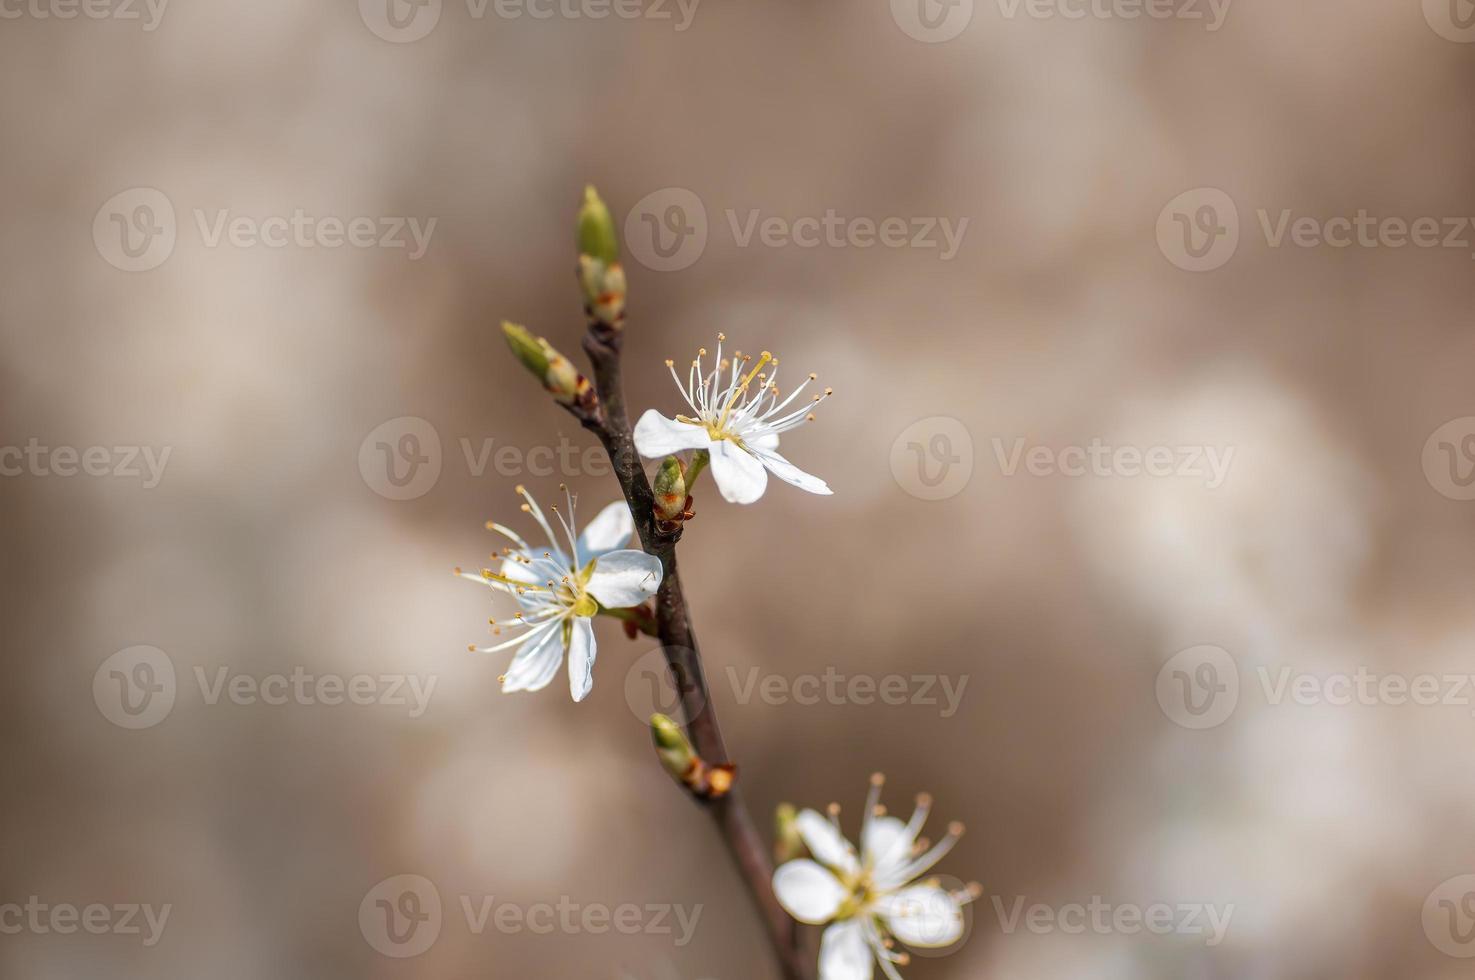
(872, 897)
(559, 592)
(738, 427)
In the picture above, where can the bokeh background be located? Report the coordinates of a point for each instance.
(1062, 319)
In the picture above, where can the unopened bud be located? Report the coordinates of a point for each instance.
(601, 277)
(703, 780)
(787, 843)
(675, 751)
(597, 238)
(670, 490)
(550, 367)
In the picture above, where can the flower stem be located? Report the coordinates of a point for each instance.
(699, 461)
(638, 616)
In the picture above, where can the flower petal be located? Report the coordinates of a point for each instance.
(581, 658)
(536, 662)
(807, 891)
(609, 530)
(922, 915)
(825, 842)
(887, 847)
(656, 435)
(763, 441)
(739, 475)
(844, 953)
(624, 578)
(789, 473)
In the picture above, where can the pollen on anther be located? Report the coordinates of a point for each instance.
(670, 363)
(722, 336)
(924, 799)
(520, 488)
(456, 570)
(955, 828)
(879, 810)
(878, 779)
(471, 648)
(833, 809)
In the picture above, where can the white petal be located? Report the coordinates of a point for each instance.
(825, 842)
(765, 441)
(789, 473)
(922, 915)
(536, 662)
(844, 953)
(739, 475)
(624, 578)
(609, 530)
(886, 845)
(581, 658)
(807, 891)
(656, 435)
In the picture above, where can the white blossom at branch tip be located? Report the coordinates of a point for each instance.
(871, 898)
(738, 426)
(558, 592)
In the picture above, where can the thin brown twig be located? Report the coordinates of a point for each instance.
(611, 424)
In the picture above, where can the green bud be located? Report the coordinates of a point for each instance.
(670, 490)
(787, 842)
(672, 746)
(550, 367)
(527, 348)
(597, 237)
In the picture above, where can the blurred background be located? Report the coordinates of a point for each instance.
(181, 286)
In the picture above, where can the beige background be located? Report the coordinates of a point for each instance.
(1059, 321)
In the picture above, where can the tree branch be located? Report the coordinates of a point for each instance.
(679, 643)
